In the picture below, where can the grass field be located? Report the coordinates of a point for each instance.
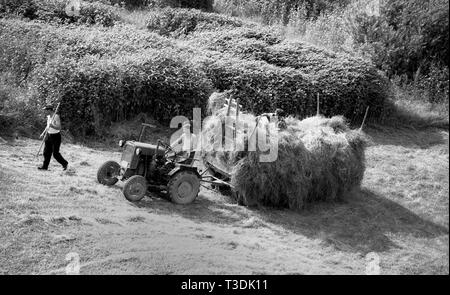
(401, 212)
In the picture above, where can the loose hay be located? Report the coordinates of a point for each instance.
(319, 159)
(217, 100)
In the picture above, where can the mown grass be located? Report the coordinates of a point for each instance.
(401, 212)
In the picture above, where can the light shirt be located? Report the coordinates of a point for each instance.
(184, 149)
(180, 145)
(56, 121)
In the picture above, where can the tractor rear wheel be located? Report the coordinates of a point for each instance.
(108, 172)
(135, 188)
(183, 187)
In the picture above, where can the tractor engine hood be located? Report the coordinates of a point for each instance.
(146, 148)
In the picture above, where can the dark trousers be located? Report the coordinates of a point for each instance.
(52, 145)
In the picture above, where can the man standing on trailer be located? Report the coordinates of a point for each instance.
(52, 140)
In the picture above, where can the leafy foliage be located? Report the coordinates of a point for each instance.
(205, 5)
(197, 4)
(41, 42)
(346, 85)
(408, 36)
(55, 10)
(410, 39)
(277, 11)
(95, 92)
(110, 74)
(180, 22)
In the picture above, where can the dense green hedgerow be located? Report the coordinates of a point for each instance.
(346, 85)
(40, 42)
(97, 91)
(277, 11)
(262, 87)
(57, 11)
(87, 67)
(259, 86)
(407, 37)
(205, 5)
(233, 39)
(181, 22)
(352, 82)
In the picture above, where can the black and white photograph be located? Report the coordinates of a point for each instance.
(222, 138)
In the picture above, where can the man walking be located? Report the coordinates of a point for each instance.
(52, 140)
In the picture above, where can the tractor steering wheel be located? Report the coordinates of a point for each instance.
(168, 150)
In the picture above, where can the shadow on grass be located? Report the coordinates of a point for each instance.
(364, 223)
(415, 113)
(406, 137)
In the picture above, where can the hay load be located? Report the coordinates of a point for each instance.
(319, 159)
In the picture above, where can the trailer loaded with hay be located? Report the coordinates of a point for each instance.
(319, 159)
(315, 159)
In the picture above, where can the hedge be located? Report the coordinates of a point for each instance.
(40, 42)
(55, 11)
(351, 81)
(262, 87)
(338, 79)
(95, 92)
(181, 22)
(88, 67)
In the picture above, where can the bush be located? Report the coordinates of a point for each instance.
(346, 85)
(276, 11)
(85, 65)
(80, 59)
(17, 113)
(40, 42)
(206, 5)
(18, 56)
(95, 92)
(55, 10)
(431, 89)
(237, 40)
(181, 22)
(26, 8)
(436, 83)
(408, 37)
(197, 4)
(128, 3)
(352, 83)
(259, 86)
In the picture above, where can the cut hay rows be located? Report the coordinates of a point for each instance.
(319, 159)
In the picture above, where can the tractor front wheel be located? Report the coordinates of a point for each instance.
(107, 173)
(183, 187)
(135, 188)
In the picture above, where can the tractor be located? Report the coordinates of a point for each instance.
(146, 167)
